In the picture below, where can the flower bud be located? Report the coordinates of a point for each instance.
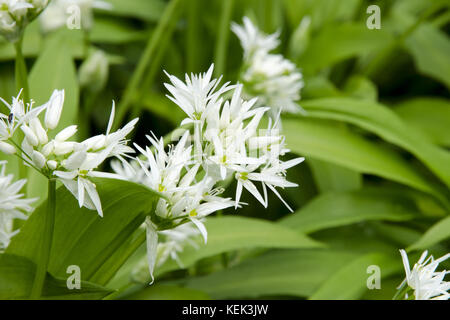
(36, 126)
(38, 159)
(54, 109)
(62, 148)
(7, 148)
(93, 72)
(48, 149)
(52, 164)
(66, 133)
(30, 136)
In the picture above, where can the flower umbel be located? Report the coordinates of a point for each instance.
(427, 283)
(270, 77)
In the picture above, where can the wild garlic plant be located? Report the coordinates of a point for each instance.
(13, 205)
(224, 144)
(272, 78)
(423, 280)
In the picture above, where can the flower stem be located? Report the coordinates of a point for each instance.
(46, 242)
(21, 71)
(224, 31)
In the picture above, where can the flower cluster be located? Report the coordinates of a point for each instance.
(15, 15)
(423, 278)
(79, 13)
(270, 77)
(224, 144)
(73, 163)
(12, 205)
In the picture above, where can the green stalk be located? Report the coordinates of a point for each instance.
(193, 33)
(146, 58)
(45, 243)
(21, 71)
(222, 42)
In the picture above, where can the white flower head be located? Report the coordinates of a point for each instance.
(427, 283)
(270, 77)
(12, 205)
(15, 15)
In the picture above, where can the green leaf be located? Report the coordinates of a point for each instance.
(149, 10)
(331, 177)
(233, 233)
(338, 42)
(17, 275)
(382, 121)
(287, 272)
(332, 143)
(431, 115)
(54, 69)
(438, 232)
(343, 208)
(350, 282)
(81, 237)
(167, 292)
(430, 48)
(109, 30)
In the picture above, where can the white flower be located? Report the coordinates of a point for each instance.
(12, 205)
(270, 77)
(87, 156)
(253, 40)
(424, 280)
(174, 241)
(19, 114)
(196, 94)
(16, 14)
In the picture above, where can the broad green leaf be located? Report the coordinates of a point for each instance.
(339, 42)
(431, 115)
(17, 275)
(80, 236)
(430, 48)
(149, 10)
(361, 87)
(167, 292)
(331, 177)
(351, 281)
(328, 142)
(54, 69)
(438, 232)
(233, 233)
(382, 121)
(342, 208)
(287, 272)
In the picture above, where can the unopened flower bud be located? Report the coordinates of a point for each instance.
(93, 72)
(38, 159)
(36, 126)
(52, 164)
(7, 148)
(66, 133)
(30, 135)
(54, 109)
(48, 149)
(62, 148)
